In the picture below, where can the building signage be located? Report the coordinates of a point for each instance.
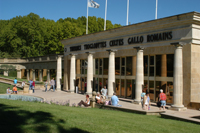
(95, 45)
(137, 39)
(117, 42)
(75, 48)
(159, 36)
(131, 40)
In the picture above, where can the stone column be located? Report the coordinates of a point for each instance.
(59, 73)
(72, 72)
(139, 75)
(48, 75)
(31, 74)
(111, 72)
(19, 74)
(89, 73)
(164, 72)
(178, 78)
(66, 73)
(27, 74)
(40, 75)
(5, 73)
(33, 70)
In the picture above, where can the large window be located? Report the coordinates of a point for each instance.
(129, 66)
(97, 66)
(145, 65)
(100, 66)
(105, 66)
(170, 65)
(123, 66)
(117, 66)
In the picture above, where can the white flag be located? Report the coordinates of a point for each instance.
(93, 4)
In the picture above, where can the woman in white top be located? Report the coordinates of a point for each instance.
(99, 98)
(86, 103)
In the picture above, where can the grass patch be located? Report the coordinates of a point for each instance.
(21, 116)
(3, 88)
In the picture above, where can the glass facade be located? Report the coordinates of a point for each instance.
(158, 74)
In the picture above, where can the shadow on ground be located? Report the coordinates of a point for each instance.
(13, 120)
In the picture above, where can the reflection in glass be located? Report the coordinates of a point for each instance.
(151, 72)
(169, 92)
(117, 87)
(117, 66)
(100, 70)
(129, 65)
(100, 84)
(122, 88)
(145, 65)
(82, 85)
(170, 65)
(97, 66)
(105, 83)
(158, 65)
(128, 88)
(86, 63)
(105, 66)
(123, 61)
(100, 62)
(146, 89)
(123, 71)
(151, 60)
(82, 66)
(151, 90)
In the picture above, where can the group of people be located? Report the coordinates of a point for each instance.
(145, 100)
(101, 99)
(9, 91)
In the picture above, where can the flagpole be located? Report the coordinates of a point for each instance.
(105, 16)
(127, 12)
(156, 9)
(87, 18)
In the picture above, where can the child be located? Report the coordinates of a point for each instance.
(146, 101)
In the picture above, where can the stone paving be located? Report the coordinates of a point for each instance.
(126, 103)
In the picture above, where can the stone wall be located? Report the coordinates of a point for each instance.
(195, 75)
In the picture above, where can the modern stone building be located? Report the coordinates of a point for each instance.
(153, 55)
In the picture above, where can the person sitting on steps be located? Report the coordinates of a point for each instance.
(86, 103)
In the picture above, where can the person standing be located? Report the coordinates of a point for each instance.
(15, 81)
(142, 97)
(23, 84)
(104, 92)
(33, 86)
(146, 102)
(162, 99)
(52, 83)
(45, 85)
(30, 84)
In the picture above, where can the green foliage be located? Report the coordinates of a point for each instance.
(31, 35)
(6, 67)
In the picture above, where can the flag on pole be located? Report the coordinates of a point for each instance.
(92, 4)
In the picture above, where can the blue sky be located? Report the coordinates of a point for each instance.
(139, 10)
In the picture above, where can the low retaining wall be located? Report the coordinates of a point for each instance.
(109, 107)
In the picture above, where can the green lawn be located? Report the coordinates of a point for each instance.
(3, 88)
(21, 116)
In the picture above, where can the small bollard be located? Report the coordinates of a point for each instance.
(26, 89)
(93, 101)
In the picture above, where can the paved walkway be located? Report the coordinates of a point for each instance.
(62, 96)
